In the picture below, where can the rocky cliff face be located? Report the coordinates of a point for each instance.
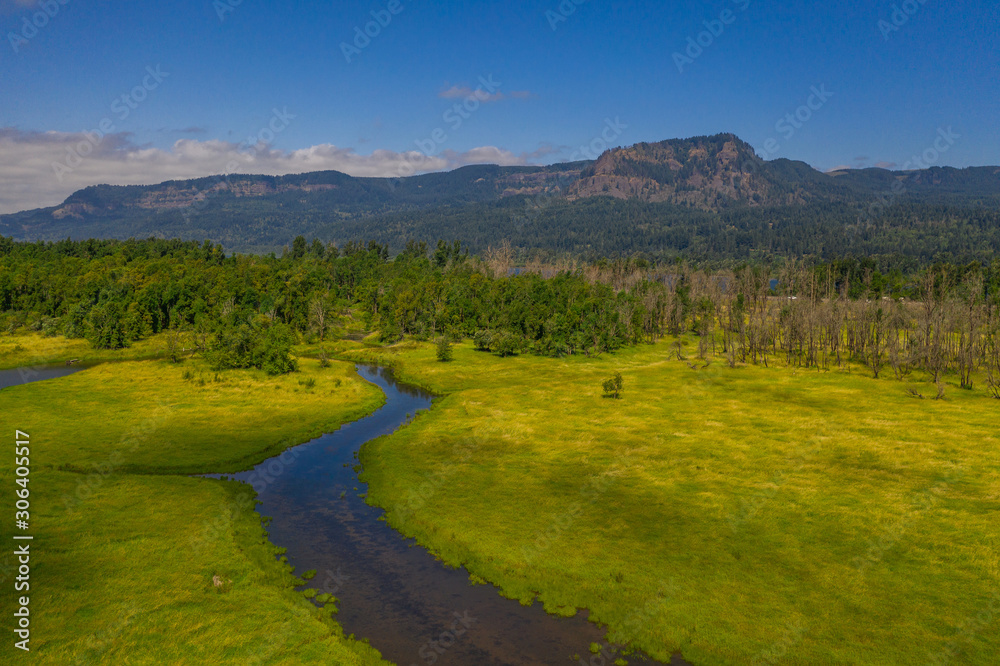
(704, 172)
(708, 173)
(535, 182)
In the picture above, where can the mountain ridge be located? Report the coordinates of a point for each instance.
(703, 175)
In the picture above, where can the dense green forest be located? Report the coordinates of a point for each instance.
(248, 311)
(905, 234)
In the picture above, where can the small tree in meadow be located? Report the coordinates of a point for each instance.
(445, 353)
(613, 386)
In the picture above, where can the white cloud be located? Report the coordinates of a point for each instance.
(485, 155)
(465, 92)
(456, 92)
(29, 180)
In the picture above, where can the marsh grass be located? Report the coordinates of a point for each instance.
(117, 581)
(26, 348)
(761, 499)
(194, 426)
(135, 564)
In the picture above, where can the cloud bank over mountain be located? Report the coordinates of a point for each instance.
(39, 169)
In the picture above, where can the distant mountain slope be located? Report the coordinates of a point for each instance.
(720, 171)
(703, 172)
(974, 186)
(649, 191)
(321, 189)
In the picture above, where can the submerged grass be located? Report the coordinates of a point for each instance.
(736, 514)
(124, 556)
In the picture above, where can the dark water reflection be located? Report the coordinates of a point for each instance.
(391, 591)
(18, 376)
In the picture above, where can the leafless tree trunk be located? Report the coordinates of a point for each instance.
(500, 259)
(317, 317)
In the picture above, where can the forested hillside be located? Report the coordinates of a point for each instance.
(704, 199)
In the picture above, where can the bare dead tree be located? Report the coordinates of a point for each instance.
(968, 321)
(876, 331)
(318, 315)
(175, 346)
(991, 355)
(500, 259)
(940, 390)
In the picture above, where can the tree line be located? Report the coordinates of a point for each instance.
(248, 311)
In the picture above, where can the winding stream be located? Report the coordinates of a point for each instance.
(392, 591)
(410, 607)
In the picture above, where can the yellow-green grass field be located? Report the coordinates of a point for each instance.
(26, 349)
(125, 549)
(745, 515)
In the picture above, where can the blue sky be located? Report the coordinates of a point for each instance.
(561, 69)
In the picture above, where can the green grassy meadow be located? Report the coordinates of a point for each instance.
(126, 549)
(745, 515)
(26, 349)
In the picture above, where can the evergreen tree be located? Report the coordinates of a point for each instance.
(445, 353)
